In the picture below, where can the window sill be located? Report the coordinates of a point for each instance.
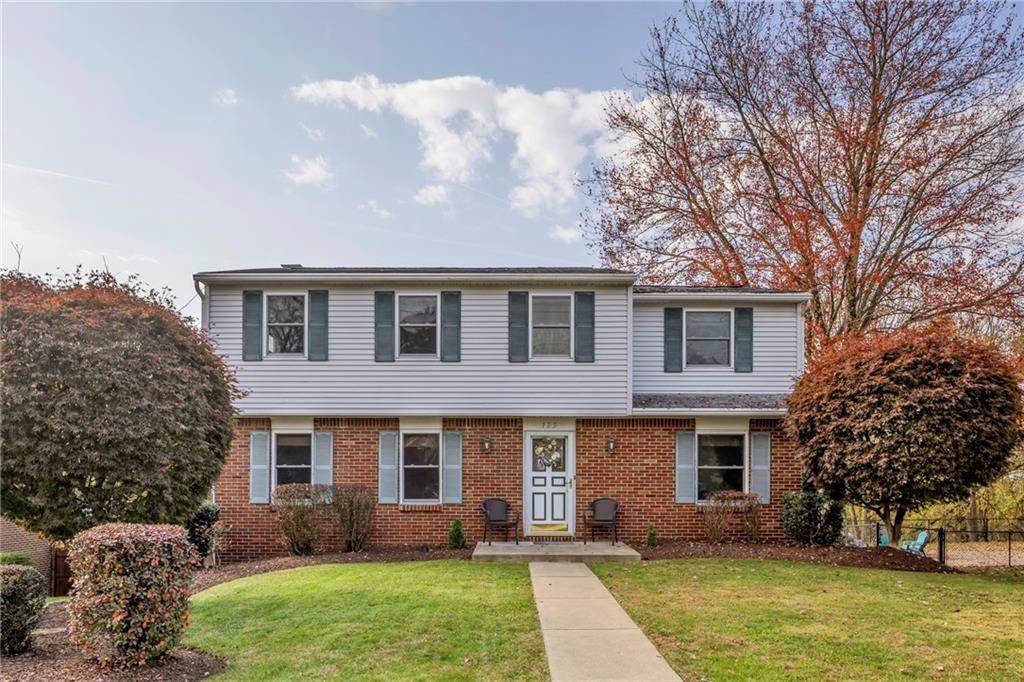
(420, 507)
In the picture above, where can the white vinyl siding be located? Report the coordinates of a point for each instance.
(483, 383)
(775, 352)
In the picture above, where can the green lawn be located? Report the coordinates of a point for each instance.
(745, 619)
(450, 620)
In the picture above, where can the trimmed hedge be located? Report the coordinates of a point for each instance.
(15, 557)
(300, 508)
(129, 604)
(22, 598)
(353, 511)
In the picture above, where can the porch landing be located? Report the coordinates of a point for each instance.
(554, 551)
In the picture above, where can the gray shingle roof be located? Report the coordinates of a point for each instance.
(709, 401)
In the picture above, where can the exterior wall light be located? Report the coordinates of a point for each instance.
(487, 444)
(610, 445)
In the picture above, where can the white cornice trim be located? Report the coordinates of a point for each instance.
(720, 296)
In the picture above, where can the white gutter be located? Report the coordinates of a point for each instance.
(795, 297)
(413, 277)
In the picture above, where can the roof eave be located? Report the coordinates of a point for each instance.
(709, 412)
(342, 277)
(793, 297)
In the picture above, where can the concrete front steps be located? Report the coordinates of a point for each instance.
(529, 550)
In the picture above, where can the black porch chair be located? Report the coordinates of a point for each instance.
(603, 513)
(497, 514)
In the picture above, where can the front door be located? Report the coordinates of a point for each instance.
(549, 478)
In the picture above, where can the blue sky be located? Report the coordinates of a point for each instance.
(176, 138)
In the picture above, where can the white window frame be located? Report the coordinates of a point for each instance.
(398, 324)
(732, 337)
(440, 465)
(273, 454)
(572, 323)
(305, 324)
(698, 467)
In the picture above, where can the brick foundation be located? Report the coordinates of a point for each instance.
(640, 474)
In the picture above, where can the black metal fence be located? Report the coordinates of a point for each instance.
(981, 544)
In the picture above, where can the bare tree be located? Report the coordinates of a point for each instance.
(869, 152)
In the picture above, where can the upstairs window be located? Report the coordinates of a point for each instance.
(286, 323)
(552, 325)
(708, 338)
(720, 463)
(293, 458)
(417, 325)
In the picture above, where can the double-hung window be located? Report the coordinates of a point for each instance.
(286, 323)
(720, 463)
(551, 325)
(293, 458)
(417, 325)
(708, 337)
(421, 467)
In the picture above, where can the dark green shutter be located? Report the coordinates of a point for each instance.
(743, 323)
(584, 326)
(384, 326)
(518, 326)
(673, 340)
(252, 325)
(451, 326)
(317, 325)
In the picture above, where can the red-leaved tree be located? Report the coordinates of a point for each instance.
(896, 422)
(869, 152)
(115, 408)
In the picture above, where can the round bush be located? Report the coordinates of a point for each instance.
(22, 598)
(129, 603)
(200, 528)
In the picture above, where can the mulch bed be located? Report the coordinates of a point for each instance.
(209, 577)
(53, 657)
(860, 557)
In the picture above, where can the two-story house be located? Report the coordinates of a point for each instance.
(549, 387)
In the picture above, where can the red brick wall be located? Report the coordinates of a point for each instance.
(14, 538)
(641, 475)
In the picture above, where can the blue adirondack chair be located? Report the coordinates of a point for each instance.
(883, 540)
(916, 546)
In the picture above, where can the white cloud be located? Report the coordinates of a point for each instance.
(313, 171)
(314, 134)
(459, 118)
(367, 130)
(226, 97)
(566, 235)
(374, 207)
(122, 258)
(431, 195)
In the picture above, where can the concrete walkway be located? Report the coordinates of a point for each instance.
(587, 635)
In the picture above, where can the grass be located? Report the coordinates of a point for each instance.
(450, 620)
(744, 619)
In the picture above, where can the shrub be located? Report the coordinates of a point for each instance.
(16, 557)
(300, 508)
(144, 422)
(811, 517)
(895, 422)
(129, 602)
(652, 536)
(22, 598)
(353, 511)
(723, 505)
(200, 528)
(456, 538)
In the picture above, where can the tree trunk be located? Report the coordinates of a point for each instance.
(894, 524)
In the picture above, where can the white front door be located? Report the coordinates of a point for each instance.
(548, 482)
